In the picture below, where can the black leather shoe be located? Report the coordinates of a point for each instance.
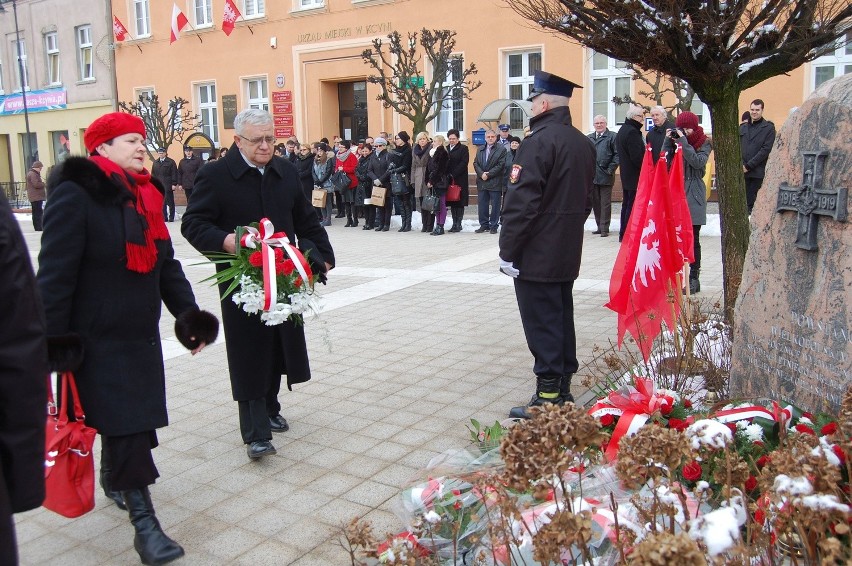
(494, 230)
(260, 448)
(604, 234)
(596, 232)
(481, 229)
(278, 424)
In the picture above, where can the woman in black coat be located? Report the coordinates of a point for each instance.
(304, 165)
(365, 186)
(437, 180)
(400, 164)
(457, 170)
(106, 267)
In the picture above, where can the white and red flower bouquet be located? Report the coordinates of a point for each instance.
(267, 275)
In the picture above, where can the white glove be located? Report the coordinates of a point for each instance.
(509, 269)
(376, 182)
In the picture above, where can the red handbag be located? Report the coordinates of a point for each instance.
(454, 192)
(69, 465)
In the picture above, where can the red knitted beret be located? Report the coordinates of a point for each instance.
(110, 126)
(687, 120)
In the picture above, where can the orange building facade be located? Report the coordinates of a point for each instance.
(301, 59)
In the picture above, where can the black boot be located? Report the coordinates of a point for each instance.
(565, 389)
(547, 390)
(439, 230)
(694, 285)
(355, 215)
(458, 214)
(431, 222)
(406, 214)
(424, 218)
(106, 479)
(152, 544)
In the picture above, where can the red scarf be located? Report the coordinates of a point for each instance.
(142, 207)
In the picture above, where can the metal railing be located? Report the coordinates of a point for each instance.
(15, 193)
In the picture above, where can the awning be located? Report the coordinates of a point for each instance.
(493, 110)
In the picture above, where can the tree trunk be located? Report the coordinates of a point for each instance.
(730, 182)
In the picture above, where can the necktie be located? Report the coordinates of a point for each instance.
(487, 152)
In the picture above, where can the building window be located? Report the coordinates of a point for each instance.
(19, 48)
(143, 96)
(610, 79)
(308, 4)
(51, 49)
(834, 64)
(208, 111)
(203, 13)
(451, 114)
(252, 9)
(520, 71)
(142, 17)
(84, 53)
(257, 94)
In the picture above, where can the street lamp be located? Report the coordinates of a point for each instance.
(29, 158)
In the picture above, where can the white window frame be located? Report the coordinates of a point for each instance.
(839, 61)
(524, 82)
(253, 9)
(616, 76)
(208, 111)
(204, 8)
(141, 18)
(85, 53)
(703, 112)
(19, 50)
(444, 121)
(309, 4)
(261, 102)
(141, 91)
(51, 59)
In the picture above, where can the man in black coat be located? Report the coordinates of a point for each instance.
(457, 170)
(490, 165)
(542, 237)
(605, 165)
(657, 134)
(187, 170)
(23, 380)
(249, 184)
(630, 148)
(756, 140)
(165, 170)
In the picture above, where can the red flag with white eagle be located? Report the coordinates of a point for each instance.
(179, 21)
(643, 278)
(682, 217)
(230, 17)
(119, 30)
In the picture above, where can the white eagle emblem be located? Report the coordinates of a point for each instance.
(515, 175)
(648, 258)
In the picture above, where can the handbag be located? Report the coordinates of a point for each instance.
(399, 183)
(318, 197)
(69, 465)
(453, 191)
(340, 181)
(378, 197)
(431, 202)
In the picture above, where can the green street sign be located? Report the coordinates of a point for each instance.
(413, 82)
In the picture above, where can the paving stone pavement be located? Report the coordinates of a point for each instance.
(418, 335)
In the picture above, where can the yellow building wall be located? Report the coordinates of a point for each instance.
(316, 49)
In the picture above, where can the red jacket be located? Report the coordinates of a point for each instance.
(349, 165)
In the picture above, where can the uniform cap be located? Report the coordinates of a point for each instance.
(110, 126)
(548, 83)
(503, 127)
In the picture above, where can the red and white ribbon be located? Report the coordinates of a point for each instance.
(268, 239)
(776, 413)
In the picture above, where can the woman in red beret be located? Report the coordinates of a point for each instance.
(106, 266)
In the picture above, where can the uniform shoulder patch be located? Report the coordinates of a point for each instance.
(515, 175)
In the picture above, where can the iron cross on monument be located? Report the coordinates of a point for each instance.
(811, 200)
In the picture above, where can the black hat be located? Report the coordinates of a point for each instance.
(161, 150)
(548, 83)
(503, 127)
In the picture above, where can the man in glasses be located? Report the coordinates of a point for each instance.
(248, 184)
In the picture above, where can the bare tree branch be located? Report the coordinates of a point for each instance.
(163, 125)
(400, 70)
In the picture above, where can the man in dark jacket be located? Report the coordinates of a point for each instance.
(165, 170)
(489, 164)
(35, 193)
(605, 166)
(542, 237)
(187, 170)
(657, 134)
(379, 172)
(756, 140)
(630, 149)
(246, 185)
(23, 379)
(457, 170)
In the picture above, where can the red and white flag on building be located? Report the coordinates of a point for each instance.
(179, 21)
(230, 17)
(643, 277)
(119, 30)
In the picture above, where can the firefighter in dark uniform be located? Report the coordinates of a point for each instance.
(542, 236)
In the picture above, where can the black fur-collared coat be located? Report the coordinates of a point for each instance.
(89, 292)
(230, 193)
